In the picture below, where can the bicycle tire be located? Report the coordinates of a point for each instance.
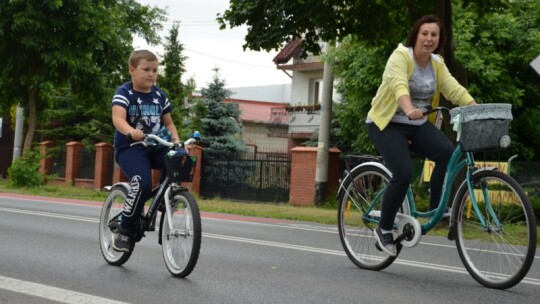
(358, 192)
(182, 244)
(500, 253)
(109, 223)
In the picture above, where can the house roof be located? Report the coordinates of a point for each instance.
(256, 111)
(292, 49)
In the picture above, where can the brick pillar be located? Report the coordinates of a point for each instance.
(195, 185)
(156, 174)
(73, 157)
(118, 175)
(303, 168)
(102, 168)
(45, 164)
(333, 170)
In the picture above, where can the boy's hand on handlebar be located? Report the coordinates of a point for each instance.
(135, 135)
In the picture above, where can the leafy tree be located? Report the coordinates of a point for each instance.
(496, 50)
(272, 23)
(220, 126)
(359, 67)
(170, 81)
(82, 44)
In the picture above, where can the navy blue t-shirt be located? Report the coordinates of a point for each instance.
(144, 110)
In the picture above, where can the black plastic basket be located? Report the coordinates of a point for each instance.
(482, 127)
(180, 168)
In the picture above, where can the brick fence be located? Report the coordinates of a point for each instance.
(102, 169)
(303, 168)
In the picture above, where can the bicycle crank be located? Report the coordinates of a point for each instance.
(409, 228)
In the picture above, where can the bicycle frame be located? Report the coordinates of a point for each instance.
(161, 193)
(455, 165)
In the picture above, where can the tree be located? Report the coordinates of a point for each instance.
(496, 50)
(221, 125)
(273, 23)
(171, 80)
(82, 44)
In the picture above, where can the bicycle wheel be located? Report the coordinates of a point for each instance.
(181, 238)
(109, 223)
(361, 193)
(497, 242)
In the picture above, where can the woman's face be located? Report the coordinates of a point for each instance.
(428, 38)
(144, 75)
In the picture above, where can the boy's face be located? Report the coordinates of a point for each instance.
(144, 75)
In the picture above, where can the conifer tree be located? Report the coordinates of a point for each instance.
(221, 124)
(170, 78)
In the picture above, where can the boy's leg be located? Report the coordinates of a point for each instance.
(135, 164)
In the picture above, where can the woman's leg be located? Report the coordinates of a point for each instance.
(393, 145)
(430, 142)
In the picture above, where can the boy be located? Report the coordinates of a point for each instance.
(139, 107)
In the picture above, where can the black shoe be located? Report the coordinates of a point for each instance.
(122, 241)
(385, 242)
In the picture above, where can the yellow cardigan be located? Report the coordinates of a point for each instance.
(395, 83)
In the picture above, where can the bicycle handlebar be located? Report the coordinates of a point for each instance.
(145, 142)
(431, 109)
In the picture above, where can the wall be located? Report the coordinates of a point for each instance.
(257, 134)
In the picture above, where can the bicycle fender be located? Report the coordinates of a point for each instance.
(375, 164)
(123, 185)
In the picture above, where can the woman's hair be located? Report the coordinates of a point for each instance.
(138, 55)
(413, 35)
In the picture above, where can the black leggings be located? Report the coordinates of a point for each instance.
(393, 145)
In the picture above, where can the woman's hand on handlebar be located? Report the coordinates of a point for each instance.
(415, 114)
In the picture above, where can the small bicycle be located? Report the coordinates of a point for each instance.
(491, 218)
(180, 224)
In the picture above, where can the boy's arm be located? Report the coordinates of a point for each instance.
(169, 124)
(120, 123)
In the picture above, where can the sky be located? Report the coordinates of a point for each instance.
(207, 47)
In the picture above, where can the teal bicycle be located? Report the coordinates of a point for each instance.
(490, 219)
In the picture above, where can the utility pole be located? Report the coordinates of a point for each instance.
(321, 173)
(19, 122)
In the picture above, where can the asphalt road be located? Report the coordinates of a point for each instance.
(49, 253)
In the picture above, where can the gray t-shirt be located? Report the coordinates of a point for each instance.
(422, 86)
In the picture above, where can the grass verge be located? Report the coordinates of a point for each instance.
(267, 210)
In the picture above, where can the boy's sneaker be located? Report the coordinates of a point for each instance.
(122, 241)
(385, 242)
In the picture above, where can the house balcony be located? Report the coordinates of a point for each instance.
(294, 121)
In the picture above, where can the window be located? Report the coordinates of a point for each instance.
(315, 94)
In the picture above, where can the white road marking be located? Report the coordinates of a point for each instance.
(446, 268)
(52, 293)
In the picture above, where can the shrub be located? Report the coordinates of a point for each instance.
(24, 171)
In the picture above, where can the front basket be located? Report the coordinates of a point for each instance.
(482, 127)
(180, 168)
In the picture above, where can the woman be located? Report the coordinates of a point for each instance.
(414, 77)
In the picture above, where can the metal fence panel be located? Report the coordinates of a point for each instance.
(260, 180)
